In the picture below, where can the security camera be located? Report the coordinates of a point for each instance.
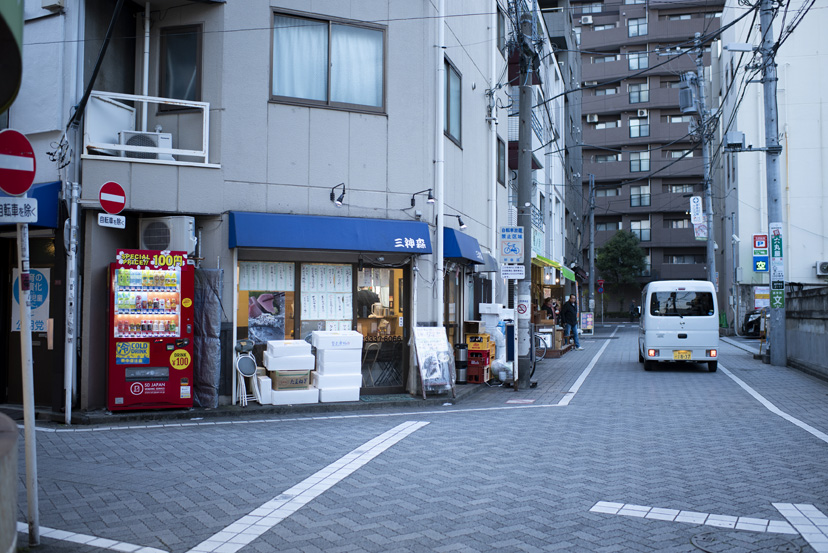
(735, 238)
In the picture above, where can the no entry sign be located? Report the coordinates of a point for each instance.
(112, 198)
(17, 163)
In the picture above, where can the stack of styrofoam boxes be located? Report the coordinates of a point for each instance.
(292, 356)
(338, 373)
(264, 384)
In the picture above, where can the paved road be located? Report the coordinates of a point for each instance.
(601, 456)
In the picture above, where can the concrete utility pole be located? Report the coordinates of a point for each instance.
(778, 340)
(592, 243)
(705, 137)
(527, 51)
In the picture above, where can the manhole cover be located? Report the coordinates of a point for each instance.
(743, 542)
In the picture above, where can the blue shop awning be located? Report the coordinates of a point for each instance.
(457, 245)
(490, 264)
(310, 232)
(47, 196)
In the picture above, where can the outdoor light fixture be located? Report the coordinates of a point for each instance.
(429, 198)
(338, 200)
(460, 222)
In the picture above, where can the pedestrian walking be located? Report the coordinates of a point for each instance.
(569, 314)
(633, 311)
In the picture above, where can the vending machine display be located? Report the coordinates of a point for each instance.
(151, 331)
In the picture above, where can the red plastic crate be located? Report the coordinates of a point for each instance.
(478, 375)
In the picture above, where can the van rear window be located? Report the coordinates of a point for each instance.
(681, 304)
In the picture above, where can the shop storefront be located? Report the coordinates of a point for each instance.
(549, 280)
(462, 254)
(296, 274)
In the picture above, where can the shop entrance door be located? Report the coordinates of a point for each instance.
(382, 318)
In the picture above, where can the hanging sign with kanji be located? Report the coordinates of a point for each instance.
(18, 210)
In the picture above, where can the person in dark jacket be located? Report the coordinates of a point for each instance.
(569, 314)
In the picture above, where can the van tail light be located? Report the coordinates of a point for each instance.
(712, 353)
(652, 353)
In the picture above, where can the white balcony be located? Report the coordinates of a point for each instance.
(117, 129)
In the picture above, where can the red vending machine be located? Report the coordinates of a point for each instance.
(151, 331)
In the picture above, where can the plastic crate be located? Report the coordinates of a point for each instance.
(478, 375)
(479, 358)
(478, 341)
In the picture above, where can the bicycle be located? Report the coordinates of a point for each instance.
(540, 346)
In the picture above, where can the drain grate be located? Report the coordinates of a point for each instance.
(743, 542)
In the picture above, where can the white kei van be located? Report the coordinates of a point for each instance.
(679, 322)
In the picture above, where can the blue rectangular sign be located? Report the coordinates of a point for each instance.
(760, 264)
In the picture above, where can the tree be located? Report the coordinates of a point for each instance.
(621, 260)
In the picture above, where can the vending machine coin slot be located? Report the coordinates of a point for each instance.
(147, 374)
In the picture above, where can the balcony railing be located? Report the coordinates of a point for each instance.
(112, 130)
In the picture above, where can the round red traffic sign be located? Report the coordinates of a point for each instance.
(112, 197)
(17, 163)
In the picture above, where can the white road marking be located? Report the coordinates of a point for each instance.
(577, 386)
(810, 522)
(692, 517)
(248, 528)
(103, 543)
(774, 409)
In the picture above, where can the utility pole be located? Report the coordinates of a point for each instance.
(527, 55)
(778, 340)
(705, 137)
(592, 243)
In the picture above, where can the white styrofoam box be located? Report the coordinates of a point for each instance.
(264, 389)
(304, 362)
(294, 397)
(340, 339)
(324, 381)
(281, 348)
(325, 356)
(332, 367)
(492, 308)
(333, 395)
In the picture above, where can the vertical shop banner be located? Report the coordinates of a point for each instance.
(39, 294)
(777, 266)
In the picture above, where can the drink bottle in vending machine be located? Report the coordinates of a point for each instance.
(150, 331)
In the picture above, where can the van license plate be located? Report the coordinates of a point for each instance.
(681, 355)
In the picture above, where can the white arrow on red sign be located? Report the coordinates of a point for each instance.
(112, 198)
(17, 163)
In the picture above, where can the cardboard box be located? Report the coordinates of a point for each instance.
(290, 380)
(338, 368)
(325, 381)
(282, 348)
(306, 362)
(333, 395)
(474, 327)
(342, 339)
(294, 397)
(354, 356)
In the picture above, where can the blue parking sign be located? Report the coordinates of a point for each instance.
(760, 264)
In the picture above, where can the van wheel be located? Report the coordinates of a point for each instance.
(712, 366)
(649, 365)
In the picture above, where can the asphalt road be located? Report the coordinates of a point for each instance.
(601, 456)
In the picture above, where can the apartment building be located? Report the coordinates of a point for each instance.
(238, 140)
(641, 148)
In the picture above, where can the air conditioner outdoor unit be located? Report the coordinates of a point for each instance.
(643, 113)
(148, 139)
(822, 268)
(586, 20)
(592, 118)
(168, 233)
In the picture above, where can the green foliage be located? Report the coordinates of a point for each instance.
(621, 260)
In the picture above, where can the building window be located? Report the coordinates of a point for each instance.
(639, 128)
(577, 31)
(594, 7)
(676, 223)
(648, 266)
(637, 27)
(451, 123)
(328, 63)
(180, 64)
(670, 84)
(603, 192)
(680, 17)
(604, 59)
(678, 154)
(634, 1)
(606, 91)
(639, 162)
(687, 259)
(641, 229)
(607, 125)
(640, 195)
(679, 118)
(501, 161)
(605, 158)
(639, 93)
(638, 60)
(501, 31)
(681, 188)
(603, 27)
(608, 226)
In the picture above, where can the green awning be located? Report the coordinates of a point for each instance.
(544, 262)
